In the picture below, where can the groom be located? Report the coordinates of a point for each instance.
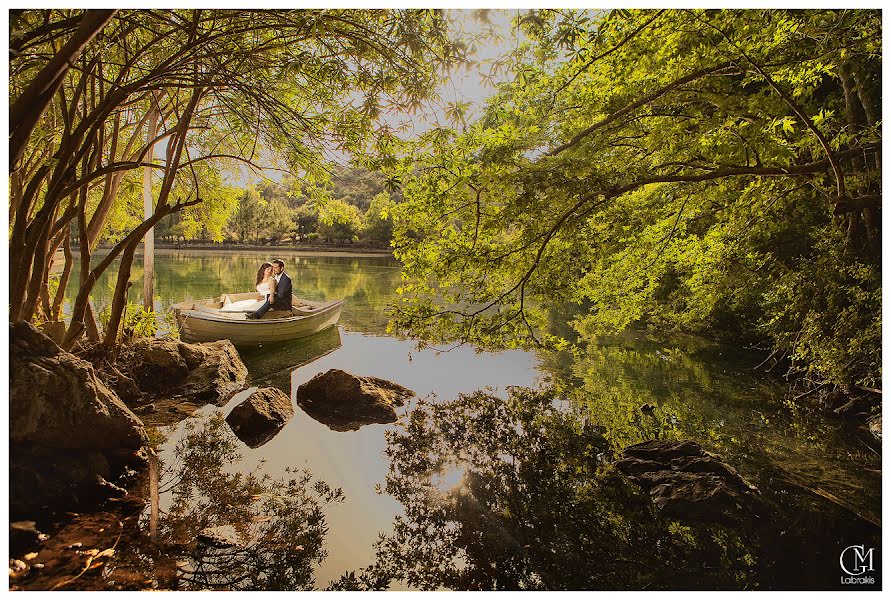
(281, 297)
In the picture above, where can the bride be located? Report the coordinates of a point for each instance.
(265, 287)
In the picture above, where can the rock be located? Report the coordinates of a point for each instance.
(261, 416)
(56, 400)
(68, 431)
(54, 330)
(44, 479)
(205, 373)
(346, 402)
(156, 363)
(685, 482)
(121, 384)
(875, 427)
(216, 371)
(31, 342)
(17, 568)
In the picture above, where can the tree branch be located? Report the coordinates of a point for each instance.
(642, 102)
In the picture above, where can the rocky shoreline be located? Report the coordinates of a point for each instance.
(79, 441)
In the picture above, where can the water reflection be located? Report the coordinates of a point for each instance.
(488, 493)
(710, 393)
(274, 365)
(226, 528)
(519, 493)
(538, 508)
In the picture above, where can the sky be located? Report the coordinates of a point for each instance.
(464, 85)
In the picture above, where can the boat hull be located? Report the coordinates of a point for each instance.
(201, 321)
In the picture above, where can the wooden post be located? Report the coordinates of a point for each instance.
(148, 279)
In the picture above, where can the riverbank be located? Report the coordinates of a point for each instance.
(333, 249)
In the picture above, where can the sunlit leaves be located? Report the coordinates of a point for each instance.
(497, 221)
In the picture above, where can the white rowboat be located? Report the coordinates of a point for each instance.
(204, 321)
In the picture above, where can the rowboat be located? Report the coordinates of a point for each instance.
(214, 319)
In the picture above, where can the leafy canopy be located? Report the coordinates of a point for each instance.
(712, 171)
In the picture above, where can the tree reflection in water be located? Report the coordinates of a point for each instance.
(277, 525)
(518, 493)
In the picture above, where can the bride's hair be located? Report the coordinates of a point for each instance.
(260, 272)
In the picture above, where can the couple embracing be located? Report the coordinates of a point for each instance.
(274, 287)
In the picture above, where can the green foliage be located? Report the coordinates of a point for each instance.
(306, 218)
(246, 220)
(340, 221)
(228, 89)
(137, 320)
(278, 219)
(126, 213)
(357, 186)
(256, 218)
(654, 168)
(379, 225)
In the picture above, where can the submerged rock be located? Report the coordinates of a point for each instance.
(346, 402)
(68, 431)
(685, 482)
(261, 416)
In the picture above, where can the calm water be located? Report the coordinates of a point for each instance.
(324, 492)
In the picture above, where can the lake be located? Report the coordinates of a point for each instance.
(324, 494)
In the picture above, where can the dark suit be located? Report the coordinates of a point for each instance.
(283, 290)
(281, 299)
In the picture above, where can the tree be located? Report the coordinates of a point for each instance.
(279, 522)
(379, 225)
(246, 221)
(306, 218)
(225, 83)
(340, 221)
(277, 219)
(712, 171)
(357, 185)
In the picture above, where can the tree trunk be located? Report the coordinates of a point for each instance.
(89, 280)
(66, 275)
(92, 328)
(37, 269)
(32, 103)
(19, 259)
(119, 302)
(148, 278)
(869, 92)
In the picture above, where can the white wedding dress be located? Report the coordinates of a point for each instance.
(264, 288)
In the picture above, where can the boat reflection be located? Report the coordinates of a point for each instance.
(273, 364)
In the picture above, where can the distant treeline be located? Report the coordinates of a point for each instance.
(351, 209)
